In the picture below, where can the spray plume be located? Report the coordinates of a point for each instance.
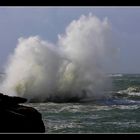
(75, 67)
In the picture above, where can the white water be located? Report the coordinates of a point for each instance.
(79, 62)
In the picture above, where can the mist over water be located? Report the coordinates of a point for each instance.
(75, 66)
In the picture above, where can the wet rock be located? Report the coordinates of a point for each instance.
(18, 118)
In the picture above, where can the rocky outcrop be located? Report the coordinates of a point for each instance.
(18, 118)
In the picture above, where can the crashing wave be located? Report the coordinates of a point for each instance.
(129, 93)
(129, 90)
(39, 70)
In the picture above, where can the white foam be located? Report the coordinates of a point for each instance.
(40, 69)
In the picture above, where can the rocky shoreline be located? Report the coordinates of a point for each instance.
(16, 118)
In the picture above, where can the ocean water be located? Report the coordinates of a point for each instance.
(118, 114)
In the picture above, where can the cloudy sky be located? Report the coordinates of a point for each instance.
(48, 22)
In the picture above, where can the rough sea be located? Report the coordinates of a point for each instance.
(118, 114)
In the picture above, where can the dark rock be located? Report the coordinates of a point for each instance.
(10, 101)
(56, 98)
(18, 118)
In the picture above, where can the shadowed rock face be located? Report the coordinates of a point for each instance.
(15, 118)
(63, 99)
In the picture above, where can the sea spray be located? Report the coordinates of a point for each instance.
(75, 67)
(33, 69)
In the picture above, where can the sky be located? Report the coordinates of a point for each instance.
(48, 22)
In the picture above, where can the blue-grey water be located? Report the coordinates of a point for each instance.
(117, 114)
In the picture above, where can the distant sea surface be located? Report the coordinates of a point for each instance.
(118, 114)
